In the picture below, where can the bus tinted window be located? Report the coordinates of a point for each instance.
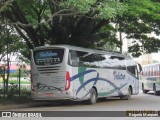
(48, 57)
(79, 58)
(85, 59)
(116, 62)
(131, 66)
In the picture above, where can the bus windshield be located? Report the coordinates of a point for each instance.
(48, 56)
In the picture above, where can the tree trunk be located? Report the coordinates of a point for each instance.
(8, 70)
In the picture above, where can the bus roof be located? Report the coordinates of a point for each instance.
(70, 47)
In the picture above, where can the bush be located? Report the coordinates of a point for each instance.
(13, 74)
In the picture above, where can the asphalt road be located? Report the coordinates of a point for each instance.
(137, 102)
(99, 111)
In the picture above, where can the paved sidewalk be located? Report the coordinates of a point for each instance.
(23, 105)
(14, 106)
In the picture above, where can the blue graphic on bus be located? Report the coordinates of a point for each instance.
(47, 54)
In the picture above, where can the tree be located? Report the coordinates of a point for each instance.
(9, 46)
(62, 21)
(141, 19)
(85, 22)
(5, 38)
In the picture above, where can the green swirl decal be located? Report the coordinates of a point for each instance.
(81, 78)
(111, 91)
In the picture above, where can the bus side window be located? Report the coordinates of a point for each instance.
(131, 67)
(69, 59)
(73, 60)
(75, 63)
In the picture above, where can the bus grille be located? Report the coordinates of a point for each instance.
(46, 70)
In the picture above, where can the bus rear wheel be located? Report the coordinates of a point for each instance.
(128, 96)
(93, 96)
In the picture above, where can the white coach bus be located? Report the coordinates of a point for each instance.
(151, 78)
(68, 72)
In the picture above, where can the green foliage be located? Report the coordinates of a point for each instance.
(101, 9)
(82, 6)
(84, 23)
(138, 22)
(10, 41)
(13, 74)
(75, 22)
(110, 9)
(16, 82)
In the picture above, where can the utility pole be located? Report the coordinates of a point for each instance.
(120, 37)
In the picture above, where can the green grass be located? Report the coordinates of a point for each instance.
(15, 99)
(16, 82)
(25, 97)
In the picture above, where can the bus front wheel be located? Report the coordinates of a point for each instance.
(93, 96)
(155, 91)
(144, 91)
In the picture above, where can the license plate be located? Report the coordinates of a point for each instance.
(49, 94)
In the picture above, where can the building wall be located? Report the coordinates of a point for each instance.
(143, 59)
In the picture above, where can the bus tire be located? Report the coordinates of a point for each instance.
(128, 96)
(93, 96)
(144, 91)
(154, 89)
